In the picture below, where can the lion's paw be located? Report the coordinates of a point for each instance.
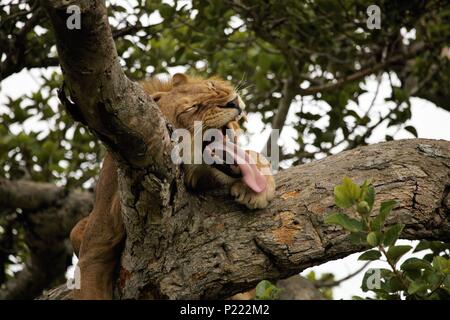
(252, 200)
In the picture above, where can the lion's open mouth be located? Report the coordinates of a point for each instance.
(231, 170)
(232, 160)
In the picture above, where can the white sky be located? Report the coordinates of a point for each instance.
(430, 122)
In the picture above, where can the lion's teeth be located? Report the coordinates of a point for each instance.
(243, 115)
(230, 131)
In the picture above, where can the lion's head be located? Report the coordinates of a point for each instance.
(184, 100)
(215, 103)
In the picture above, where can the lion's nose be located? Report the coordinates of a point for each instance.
(234, 104)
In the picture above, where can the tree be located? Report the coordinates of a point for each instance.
(156, 260)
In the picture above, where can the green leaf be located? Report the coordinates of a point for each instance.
(370, 255)
(415, 264)
(372, 279)
(396, 252)
(363, 208)
(373, 239)
(344, 221)
(369, 196)
(434, 279)
(395, 284)
(311, 276)
(376, 224)
(392, 234)
(265, 290)
(429, 257)
(346, 194)
(358, 238)
(446, 283)
(166, 11)
(413, 274)
(385, 209)
(412, 130)
(417, 286)
(441, 264)
(435, 246)
(423, 245)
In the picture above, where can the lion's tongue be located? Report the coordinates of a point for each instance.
(228, 151)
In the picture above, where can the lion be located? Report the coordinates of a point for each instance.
(97, 239)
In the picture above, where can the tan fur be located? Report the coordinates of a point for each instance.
(97, 239)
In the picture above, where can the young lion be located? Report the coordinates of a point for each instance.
(183, 100)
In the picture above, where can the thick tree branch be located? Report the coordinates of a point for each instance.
(28, 195)
(298, 288)
(212, 248)
(48, 215)
(115, 108)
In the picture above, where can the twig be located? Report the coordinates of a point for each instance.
(329, 284)
(361, 73)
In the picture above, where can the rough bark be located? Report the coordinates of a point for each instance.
(210, 247)
(116, 109)
(48, 214)
(298, 288)
(185, 245)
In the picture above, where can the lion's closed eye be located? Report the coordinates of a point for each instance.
(192, 108)
(189, 110)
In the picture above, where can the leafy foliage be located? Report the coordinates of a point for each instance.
(425, 278)
(305, 51)
(61, 151)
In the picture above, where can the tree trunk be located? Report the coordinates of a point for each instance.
(185, 245)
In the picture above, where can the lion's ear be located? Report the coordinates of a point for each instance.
(179, 79)
(157, 95)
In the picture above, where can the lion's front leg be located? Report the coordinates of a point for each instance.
(100, 252)
(243, 194)
(98, 238)
(77, 234)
